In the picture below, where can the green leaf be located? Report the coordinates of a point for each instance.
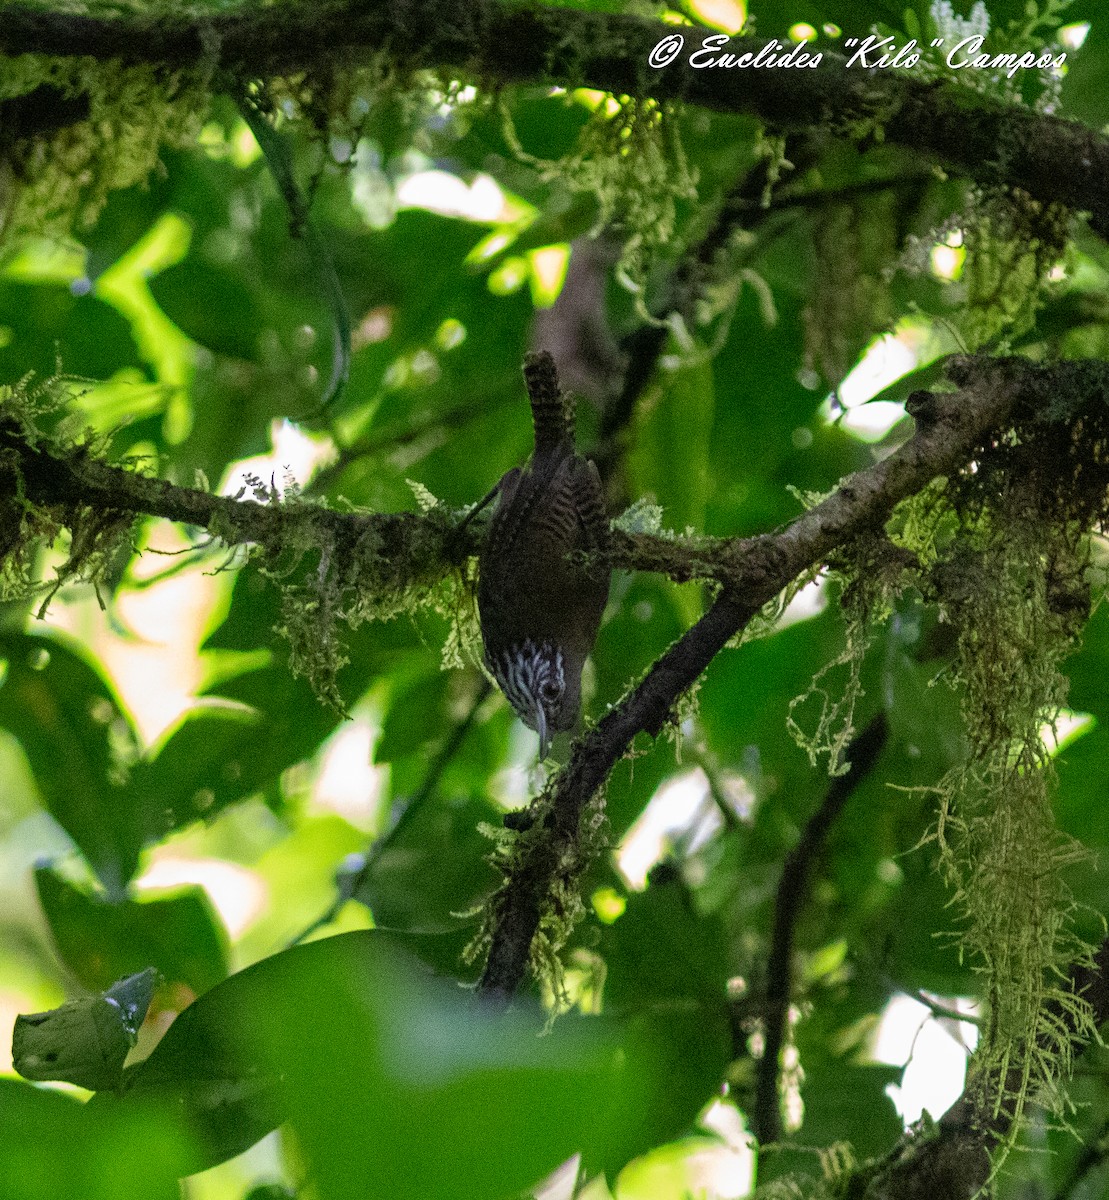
(372, 1054)
(198, 769)
(213, 305)
(84, 1041)
(671, 446)
(1084, 88)
(72, 729)
(40, 318)
(55, 1148)
(661, 948)
(432, 870)
(415, 716)
(100, 940)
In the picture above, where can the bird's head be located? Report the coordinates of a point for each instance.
(540, 686)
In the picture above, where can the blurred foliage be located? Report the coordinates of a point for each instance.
(175, 798)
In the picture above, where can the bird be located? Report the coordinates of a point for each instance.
(544, 566)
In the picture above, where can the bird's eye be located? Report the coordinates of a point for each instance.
(549, 690)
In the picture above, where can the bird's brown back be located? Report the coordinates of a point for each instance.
(544, 568)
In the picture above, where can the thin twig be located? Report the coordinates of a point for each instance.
(195, 556)
(351, 882)
(302, 226)
(942, 1011)
(716, 789)
(862, 753)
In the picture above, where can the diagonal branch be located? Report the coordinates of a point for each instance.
(949, 428)
(986, 140)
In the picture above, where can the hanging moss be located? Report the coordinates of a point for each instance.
(870, 573)
(630, 156)
(1014, 585)
(331, 584)
(1001, 550)
(332, 575)
(1011, 241)
(92, 540)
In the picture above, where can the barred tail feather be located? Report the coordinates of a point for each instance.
(552, 412)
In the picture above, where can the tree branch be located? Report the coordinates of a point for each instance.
(751, 571)
(74, 479)
(766, 1114)
(986, 140)
(954, 1163)
(421, 549)
(949, 427)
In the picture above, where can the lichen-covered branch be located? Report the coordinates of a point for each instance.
(989, 141)
(73, 478)
(1003, 415)
(949, 429)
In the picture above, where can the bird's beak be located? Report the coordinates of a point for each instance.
(541, 727)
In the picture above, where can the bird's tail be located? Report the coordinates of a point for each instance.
(552, 412)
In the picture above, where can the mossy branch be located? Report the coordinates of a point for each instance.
(73, 478)
(427, 546)
(950, 427)
(986, 140)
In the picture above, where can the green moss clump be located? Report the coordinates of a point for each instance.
(56, 179)
(1012, 242)
(92, 540)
